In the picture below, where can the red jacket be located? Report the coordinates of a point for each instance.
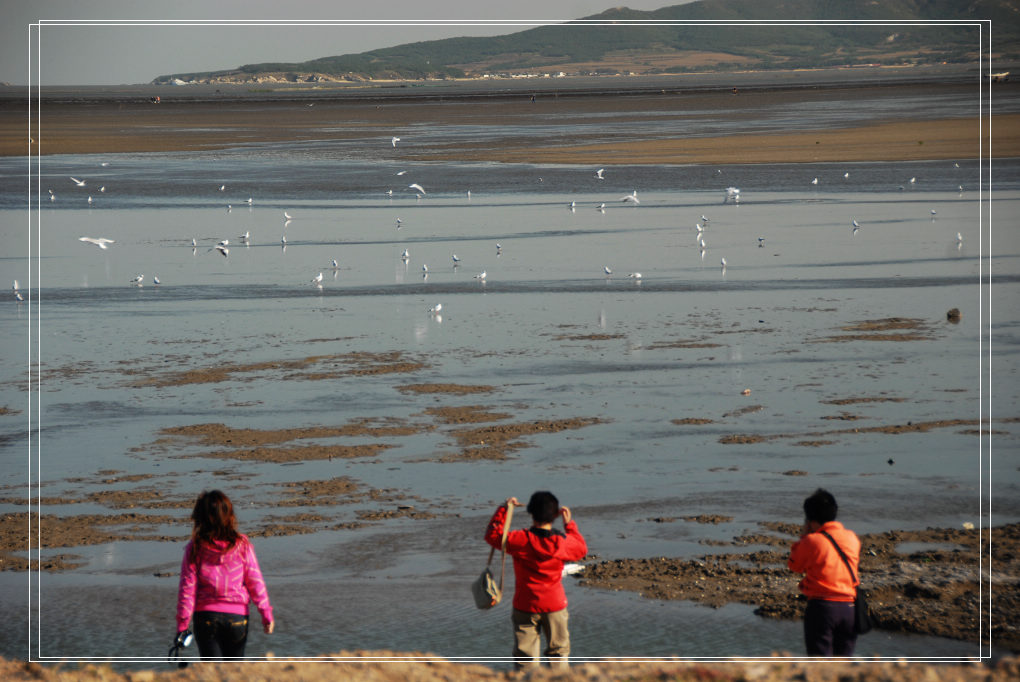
(538, 556)
(825, 574)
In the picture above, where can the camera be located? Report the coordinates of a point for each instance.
(182, 641)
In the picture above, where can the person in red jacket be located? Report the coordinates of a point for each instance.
(828, 585)
(540, 604)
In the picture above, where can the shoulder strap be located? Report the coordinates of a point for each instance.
(492, 551)
(842, 556)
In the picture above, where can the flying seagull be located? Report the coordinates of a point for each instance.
(416, 187)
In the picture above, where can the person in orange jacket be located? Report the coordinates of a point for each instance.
(828, 585)
(540, 604)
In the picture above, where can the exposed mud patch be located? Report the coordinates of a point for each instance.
(455, 389)
(498, 441)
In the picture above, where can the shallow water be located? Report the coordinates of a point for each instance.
(548, 329)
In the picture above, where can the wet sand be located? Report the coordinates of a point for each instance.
(118, 126)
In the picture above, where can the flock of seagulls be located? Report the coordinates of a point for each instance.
(732, 194)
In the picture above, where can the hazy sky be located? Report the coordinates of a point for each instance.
(111, 55)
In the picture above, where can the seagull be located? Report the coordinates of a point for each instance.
(455, 259)
(287, 216)
(913, 180)
(222, 249)
(599, 172)
(701, 243)
(138, 279)
(933, 212)
(631, 197)
(317, 279)
(405, 256)
(193, 243)
(155, 280)
(699, 227)
(246, 236)
(80, 183)
(90, 198)
(761, 242)
(15, 286)
(846, 175)
(103, 188)
(250, 201)
(424, 267)
(222, 187)
(480, 275)
(469, 195)
(18, 296)
(499, 248)
(733, 193)
(101, 242)
(229, 208)
(416, 187)
(607, 270)
(436, 308)
(601, 208)
(635, 275)
(959, 238)
(399, 221)
(573, 205)
(703, 218)
(336, 266)
(722, 261)
(394, 141)
(815, 181)
(225, 242)
(283, 240)
(388, 192)
(401, 172)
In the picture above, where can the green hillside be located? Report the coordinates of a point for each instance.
(594, 44)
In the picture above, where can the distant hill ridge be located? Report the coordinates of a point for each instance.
(596, 44)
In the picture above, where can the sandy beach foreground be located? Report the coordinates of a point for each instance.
(372, 669)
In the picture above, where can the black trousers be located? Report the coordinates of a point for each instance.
(829, 628)
(220, 635)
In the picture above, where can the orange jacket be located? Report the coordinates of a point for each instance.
(825, 574)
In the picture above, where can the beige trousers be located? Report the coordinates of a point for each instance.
(528, 631)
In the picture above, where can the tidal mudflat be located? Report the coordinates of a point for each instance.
(366, 437)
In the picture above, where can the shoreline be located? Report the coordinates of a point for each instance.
(117, 122)
(947, 139)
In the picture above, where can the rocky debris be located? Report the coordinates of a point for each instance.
(934, 590)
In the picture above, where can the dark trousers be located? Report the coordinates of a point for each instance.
(829, 628)
(220, 635)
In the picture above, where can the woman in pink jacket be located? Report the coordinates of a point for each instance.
(219, 576)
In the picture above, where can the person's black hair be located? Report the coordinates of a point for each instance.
(820, 506)
(544, 507)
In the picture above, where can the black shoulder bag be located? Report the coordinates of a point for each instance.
(862, 614)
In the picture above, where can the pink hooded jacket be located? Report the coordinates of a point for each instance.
(223, 580)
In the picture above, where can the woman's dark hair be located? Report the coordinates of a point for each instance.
(544, 507)
(820, 507)
(214, 519)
